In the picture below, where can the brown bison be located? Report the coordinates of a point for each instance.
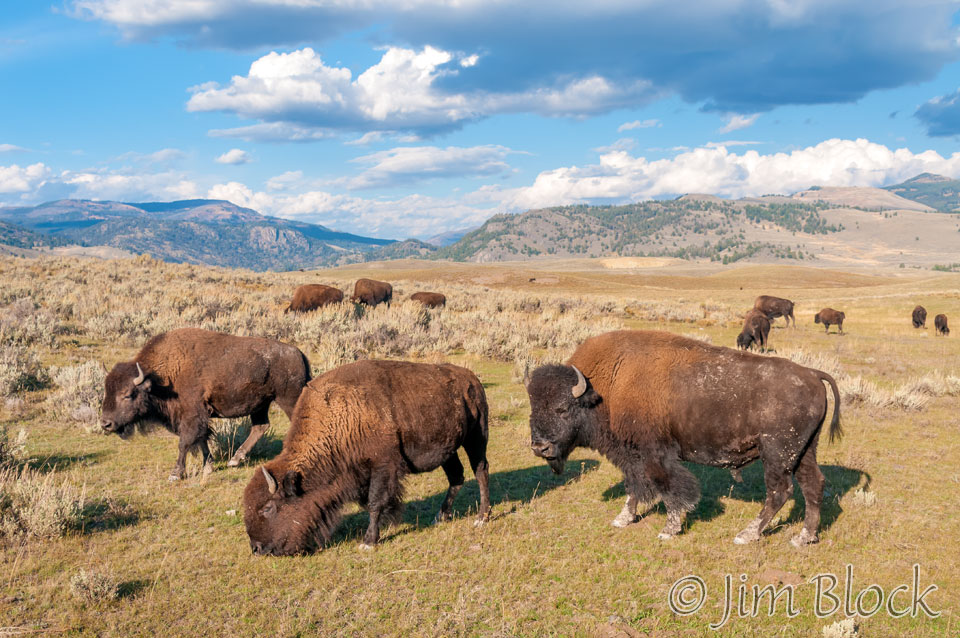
(430, 299)
(940, 325)
(829, 317)
(372, 292)
(774, 307)
(355, 433)
(184, 377)
(312, 296)
(756, 328)
(648, 400)
(919, 317)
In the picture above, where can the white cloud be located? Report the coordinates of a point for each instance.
(728, 143)
(272, 132)
(234, 156)
(17, 179)
(405, 165)
(163, 156)
(284, 181)
(11, 148)
(836, 162)
(127, 186)
(735, 122)
(629, 126)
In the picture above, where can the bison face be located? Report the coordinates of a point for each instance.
(126, 398)
(744, 340)
(272, 515)
(562, 413)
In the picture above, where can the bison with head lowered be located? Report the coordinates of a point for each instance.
(649, 400)
(183, 378)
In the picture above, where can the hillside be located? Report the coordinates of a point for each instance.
(212, 232)
(936, 191)
(860, 197)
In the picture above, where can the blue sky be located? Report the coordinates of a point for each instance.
(409, 118)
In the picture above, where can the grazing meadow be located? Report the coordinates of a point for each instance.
(95, 541)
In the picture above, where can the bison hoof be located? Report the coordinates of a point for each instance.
(665, 536)
(803, 538)
(480, 522)
(236, 461)
(622, 520)
(365, 547)
(207, 470)
(173, 478)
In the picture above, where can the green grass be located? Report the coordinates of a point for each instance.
(548, 563)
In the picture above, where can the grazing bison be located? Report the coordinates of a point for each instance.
(647, 400)
(372, 292)
(355, 433)
(430, 299)
(774, 307)
(312, 296)
(829, 317)
(940, 324)
(919, 317)
(184, 377)
(756, 328)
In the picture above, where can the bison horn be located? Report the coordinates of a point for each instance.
(140, 375)
(581, 386)
(271, 482)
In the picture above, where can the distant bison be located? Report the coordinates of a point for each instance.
(774, 307)
(372, 292)
(919, 317)
(940, 324)
(756, 328)
(649, 400)
(312, 296)
(830, 317)
(184, 377)
(355, 433)
(430, 299)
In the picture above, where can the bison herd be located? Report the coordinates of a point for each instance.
(646, 400)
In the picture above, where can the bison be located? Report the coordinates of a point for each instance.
(648, 400)
(919, 317)
(756, 328)
(372, 292)
(184, 377)
(312, 296)
(829, 317)
(430, 299)
(356, 432)
(774, 307)
(940, 324)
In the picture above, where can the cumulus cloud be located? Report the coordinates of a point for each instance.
(18, 179)
(284, 181)
(37, 183)
(743, 56)
(620, 177)
(941, 115)
(629, 126)
(406, 165)
(234, 156)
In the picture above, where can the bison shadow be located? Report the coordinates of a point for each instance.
(508, 490)
(99, 515)
(717, 482)
(56, 462)
(131, 588)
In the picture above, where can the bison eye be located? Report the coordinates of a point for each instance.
(561, 411)
(269, 510)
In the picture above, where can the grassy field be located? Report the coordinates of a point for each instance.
(174, 559)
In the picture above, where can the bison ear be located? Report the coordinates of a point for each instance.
(292, 484)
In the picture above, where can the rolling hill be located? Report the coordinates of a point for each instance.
(936, 191)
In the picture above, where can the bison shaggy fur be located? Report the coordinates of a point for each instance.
(940, 324)
(183, 378)
(356, 432)
(756, 329)
(648, 400)
(774, 307)
(830, 317)
(430, 299)
(919, 317)
(372, 292)
(312, 296)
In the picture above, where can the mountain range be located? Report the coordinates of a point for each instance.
(902, 223)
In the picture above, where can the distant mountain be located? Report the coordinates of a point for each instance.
(449, 237)
(936, 191)
(214, 232)
(862, 197)
(20, 237)
(407, 249)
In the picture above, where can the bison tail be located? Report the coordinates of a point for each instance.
(836, 432)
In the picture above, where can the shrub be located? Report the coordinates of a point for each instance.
(20, 370)
(227, 435)
(25, 323)
(94, 587)
(12, 453)
(79, 392)
(34, 505)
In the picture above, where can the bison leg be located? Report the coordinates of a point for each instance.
(259, 422)
(811, 483)
(779, 488)
(453, 468)
(207, 458)
(384, 489)
(628, 515)
(680, 492)
(181, 467)
(476, 449)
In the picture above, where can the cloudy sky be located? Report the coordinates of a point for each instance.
(400, 118)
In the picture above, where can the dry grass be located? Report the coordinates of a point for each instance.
(549, 563)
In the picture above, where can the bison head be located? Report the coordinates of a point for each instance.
(744, 340)
(275, 523)
(562, 413)
(126, 398)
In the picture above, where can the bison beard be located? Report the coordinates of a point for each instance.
(647, 400)
(355, 433)
(182, 378)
